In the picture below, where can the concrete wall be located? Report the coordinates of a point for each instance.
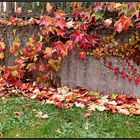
(89, 73)
(92, 74)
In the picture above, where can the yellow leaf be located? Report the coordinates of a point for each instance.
(14, 73)
(64, 53)
(1, 55)
(2, 45)
(55, 64)
(48, 52)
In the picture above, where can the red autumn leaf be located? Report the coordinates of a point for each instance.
(98, 6)
(59, 105)
(85, 14)
(134, 70)
(76, 12)
(82, 55)
(41, 67)
(126, 22)
(60, 32)
(46, 20)
(12, 19)
(83, 39)
(59, 14)
(59, 46)
(17, 82)
(94, 39)
(116, 70)
(137, 80)
(56, 99)
(48, 7)
(130, 79)
(123, 74)
(123, 24)
(69, 45)
(112, 107)
(77, 36)
(59, 23)
(84, 27)
(76, 4)
(38, 46)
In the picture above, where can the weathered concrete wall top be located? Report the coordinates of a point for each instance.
(92, 74)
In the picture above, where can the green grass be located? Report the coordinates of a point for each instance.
(70, 122)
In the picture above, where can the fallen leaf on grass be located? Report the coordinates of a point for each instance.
(79, 105)
(1, 134)
(41, 115)
(34, 96)
(18, 113)
(111, 106)
(58, 131)
(87, 114)
(134, 111)
(86, 127)
(100, 108)
(36, 91)
(92, 107)
(124, 111)
(4, 100)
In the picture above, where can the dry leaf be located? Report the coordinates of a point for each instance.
(87, 114)
(1, 55)
(124, 111)
(1, 134)
(40, 115)
(100, 108)
(86, 127)
(79, 105)
(58, 131)
(4, 100)
(92, 107)
(34, 96)
(36, 91)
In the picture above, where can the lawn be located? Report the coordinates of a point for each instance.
(61, 123)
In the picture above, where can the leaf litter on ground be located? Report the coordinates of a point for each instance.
(64, 97)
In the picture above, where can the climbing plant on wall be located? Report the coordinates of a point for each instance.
(58, 35)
